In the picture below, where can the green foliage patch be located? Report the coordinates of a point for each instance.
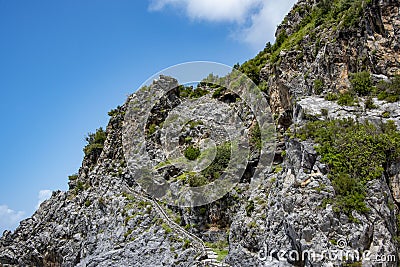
(95, 142)
(356, 153)
(255, 136)
(220, 248)
(361, 83)
(318, 86)
(115, 112)
(220, 163)
(334, 14)
(190, 92)
(389, 90)
(331, 97)
(346, 99)
(73, 177)
(192, 153)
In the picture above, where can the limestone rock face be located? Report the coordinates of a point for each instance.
(98, 223)
(331, 54)
(289, 218)
(105, 218)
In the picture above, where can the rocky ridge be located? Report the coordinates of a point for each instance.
(105, 219)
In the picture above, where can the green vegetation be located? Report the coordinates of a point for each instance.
(116, 112)
(318, 86)
(218, 92)
(95, 142)
(193, 124)
(252, 224)
(386, 114)
(389, 90)
(277, 169)
(128, 233)
(253, 66)
(346, 99)
(220, 248)
(361, 83)
(255, 136)
(203, 211)
(87, 203)
(73, 177)
(166, 228)
(196, 180)
(188, 91)
(331, 97)
(355, 153)
(221, 254)
(79, 187)
(369, 103)
(221, 161)
(152, 129)
(192, 153)
(250, 208)
(332, 14)
(186, 243)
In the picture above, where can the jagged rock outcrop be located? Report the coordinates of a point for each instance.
(105, 218)
(329, 53)
(98, 222)
(290, 219)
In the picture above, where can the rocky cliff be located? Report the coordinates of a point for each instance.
(330, 198)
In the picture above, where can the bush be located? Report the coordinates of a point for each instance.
(279, 40)
(386, 114)
(389, 91)
(346, 99)
(318, 86)
(192, 153)
(87, 203)
(369, 103)
(196, 180)
(331, 97)
(249, 208)
(166, 228)
(73, 177)
(194, 124)
(152, 129)
(361, 83)
(188, 91)
(355, 153)
(218, 92)
(80, 186)
(95, 142)
(116, 112)
(186, 244)
(221, 161)
(255, 136)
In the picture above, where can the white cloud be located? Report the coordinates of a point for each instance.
(211, 10)
(256, 20)
(43, 195)
(264, 23)
(9, 218)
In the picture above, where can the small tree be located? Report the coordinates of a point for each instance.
(95, 142)
(318, 86)
(361, 82)
(192, 153)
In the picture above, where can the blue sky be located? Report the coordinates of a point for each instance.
(65, 64)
